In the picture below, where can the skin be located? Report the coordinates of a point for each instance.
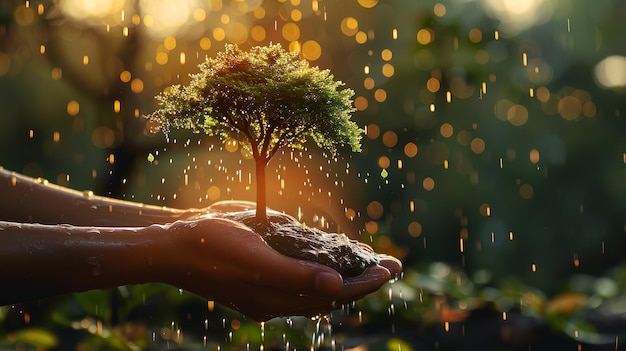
(91, 242)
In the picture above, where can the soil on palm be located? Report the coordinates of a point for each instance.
(289, 237)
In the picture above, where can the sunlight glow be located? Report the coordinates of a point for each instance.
(89, 9)
(168, 15)
(518, 15)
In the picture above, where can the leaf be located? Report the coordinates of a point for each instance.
(34, 336)
(397, 344)
(96, 303)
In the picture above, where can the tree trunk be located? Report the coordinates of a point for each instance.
(261, 194)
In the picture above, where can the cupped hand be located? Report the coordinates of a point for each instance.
(226, 261)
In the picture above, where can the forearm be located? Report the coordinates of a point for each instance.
(38, 261)
(29, 200)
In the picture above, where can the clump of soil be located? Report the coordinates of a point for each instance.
(289, 237)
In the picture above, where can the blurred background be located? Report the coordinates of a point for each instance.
(494, 164)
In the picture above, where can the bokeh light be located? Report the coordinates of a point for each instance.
(73, 107)
(90, 10)
(167, 17)
(368, 3)
(349, 26)
(518, 15)
(610, 73)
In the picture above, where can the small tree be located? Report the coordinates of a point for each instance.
(266, 99)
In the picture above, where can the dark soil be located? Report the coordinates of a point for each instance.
(289, 237)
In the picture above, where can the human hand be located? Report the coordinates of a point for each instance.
(226, 261)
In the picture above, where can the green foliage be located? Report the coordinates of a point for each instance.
(266, 99)
(96, 303)
(40, 338)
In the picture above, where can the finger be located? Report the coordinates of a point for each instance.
(354, 288)
(369, 281)
(280, 303)
(299, 276)
(393, 265)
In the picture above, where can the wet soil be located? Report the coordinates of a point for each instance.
(288, 236)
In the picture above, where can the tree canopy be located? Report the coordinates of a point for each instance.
(266, 99)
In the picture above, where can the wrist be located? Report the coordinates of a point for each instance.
(140, 255)
(102, 258)
(172, 261)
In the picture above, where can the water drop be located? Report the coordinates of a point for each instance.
(93, 260)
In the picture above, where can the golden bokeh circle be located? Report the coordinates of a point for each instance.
(291, 31)
(428, 183)
(73, 108)
(477, 145)
(374, 209)
(231, 145)
(311, 50)
(384, 162)
(368, 4)
(361, 103)
(258, 33)
(237, 33)
(534, 156)
(372, 131)
(136, 85)
(526, 191)
(410, 149)
(446, 130)
(213, 193)
(415, 229)
(517, 115)
(349, 26)
(390, 138)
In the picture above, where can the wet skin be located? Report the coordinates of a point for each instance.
(54, 241)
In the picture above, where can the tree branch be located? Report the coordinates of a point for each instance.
(287, 137)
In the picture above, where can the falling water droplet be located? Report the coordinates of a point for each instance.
(569, 26)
